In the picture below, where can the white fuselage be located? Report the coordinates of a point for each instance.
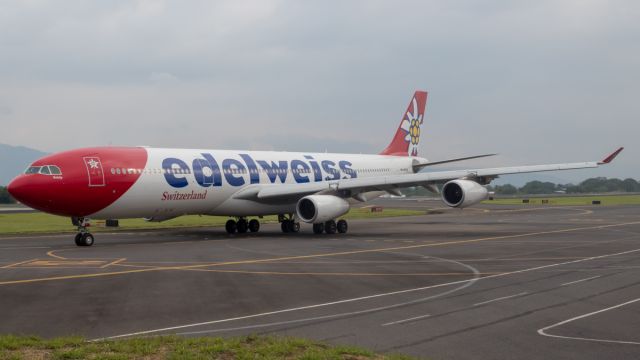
(177, 182)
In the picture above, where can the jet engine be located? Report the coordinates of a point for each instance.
(463, 193)
(320, 208)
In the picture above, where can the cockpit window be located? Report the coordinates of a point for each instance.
(32, 170)
(44, 170)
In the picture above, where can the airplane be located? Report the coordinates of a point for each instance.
(317, 188)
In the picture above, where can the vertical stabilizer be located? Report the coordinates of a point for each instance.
(407, 137)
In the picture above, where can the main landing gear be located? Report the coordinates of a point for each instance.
(331, 227)
(288, 224)
(83, 237)
(242, 226)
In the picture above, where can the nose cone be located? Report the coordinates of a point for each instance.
(31, 191)
(20, 190)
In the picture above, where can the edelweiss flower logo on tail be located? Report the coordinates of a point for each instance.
(407, 137)
(411, 125)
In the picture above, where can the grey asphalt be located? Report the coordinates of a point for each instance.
(492, 282)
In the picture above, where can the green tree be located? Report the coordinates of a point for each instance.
(5, 197)
(538, 187)
(630, 185)
(506, 189)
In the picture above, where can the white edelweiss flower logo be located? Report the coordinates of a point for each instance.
(93, 164)
(411, 125)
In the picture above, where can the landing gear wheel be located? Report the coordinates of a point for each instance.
(342, 226)
(330, 227)
(318, 228)
(231, 226)
(78, 239)
(295, 227)
(284, 225)
(254, 225)
(242, 226)
(86, 239)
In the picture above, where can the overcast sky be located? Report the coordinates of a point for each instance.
(536, 81)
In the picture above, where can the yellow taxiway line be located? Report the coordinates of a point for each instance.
(51, 253)
(259, 261)
(115, 262)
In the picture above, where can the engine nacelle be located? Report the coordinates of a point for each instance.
(321, 208)
(463, 193)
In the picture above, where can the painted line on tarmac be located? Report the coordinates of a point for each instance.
(315, 306)
(51, 253)
(581, 280)
(543, 331)
(501, 298)
(260, 261)
(463, 285)
(24, 248)
(17, 264)
(115, 262)
(407, 320)
(340, 273)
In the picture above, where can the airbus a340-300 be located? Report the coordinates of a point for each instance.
(315, 188)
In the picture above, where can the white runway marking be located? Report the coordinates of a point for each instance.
(407, 320)
(581, 280)
(476, 276)
(544, 333)
(23, 248)
(465, 283)
(315, 306)
(500, 298)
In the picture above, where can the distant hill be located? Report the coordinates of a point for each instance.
(14, 160)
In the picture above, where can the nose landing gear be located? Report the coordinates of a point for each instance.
(83, 237)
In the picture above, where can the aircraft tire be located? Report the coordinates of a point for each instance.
(318, 228)
(78, 239)
(330, 227)
(87, 239)
(284, 225)
(242, 226)
(295, 227)
(231, 226)
(254, 225)
(342, 226)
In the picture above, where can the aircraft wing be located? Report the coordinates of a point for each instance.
(385, 183)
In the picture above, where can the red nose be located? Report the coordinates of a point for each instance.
(16, 189)
(25, 191)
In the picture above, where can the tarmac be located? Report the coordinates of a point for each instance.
(489, 282)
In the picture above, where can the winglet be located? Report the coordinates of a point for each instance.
(610, 158)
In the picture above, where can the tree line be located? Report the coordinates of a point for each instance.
(5, 197)
(589, 186)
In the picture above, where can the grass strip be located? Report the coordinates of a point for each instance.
(31, 223)
(173, 347)
(570, 200)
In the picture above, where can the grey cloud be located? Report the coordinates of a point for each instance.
(535, 81)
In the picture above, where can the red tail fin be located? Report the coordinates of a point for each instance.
(407, 138)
